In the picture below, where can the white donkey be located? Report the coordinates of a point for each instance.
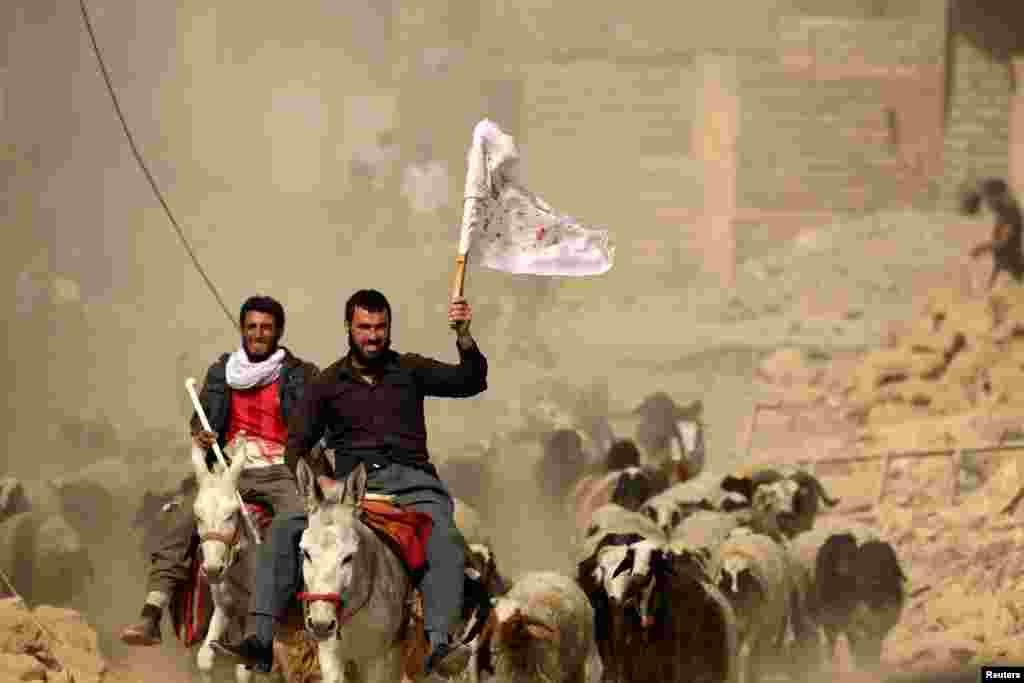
(356, 588)
(228, 553)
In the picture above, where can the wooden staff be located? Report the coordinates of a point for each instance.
(190, 386)
(459, 279)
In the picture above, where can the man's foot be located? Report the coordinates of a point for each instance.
(147, 630)
(441, 659)
(254, 653)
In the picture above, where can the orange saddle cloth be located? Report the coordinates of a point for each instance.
(406, 530)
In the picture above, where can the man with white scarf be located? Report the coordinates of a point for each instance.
(255, 390)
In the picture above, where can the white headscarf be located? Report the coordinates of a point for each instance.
(242, 373)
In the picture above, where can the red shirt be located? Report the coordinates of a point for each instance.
(258, 412)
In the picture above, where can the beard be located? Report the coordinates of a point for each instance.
(378, 358)
(259, 357)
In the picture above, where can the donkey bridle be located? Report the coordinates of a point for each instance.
(231, 542)
(340, 603)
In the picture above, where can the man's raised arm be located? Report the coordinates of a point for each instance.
(446, 380)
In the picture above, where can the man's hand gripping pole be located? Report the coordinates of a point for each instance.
(190, 385)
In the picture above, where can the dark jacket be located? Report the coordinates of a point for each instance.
(384, 421)
(215, 396)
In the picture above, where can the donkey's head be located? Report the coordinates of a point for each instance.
(218, 512)
(335, 561)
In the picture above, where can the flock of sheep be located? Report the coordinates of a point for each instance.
(712, 578)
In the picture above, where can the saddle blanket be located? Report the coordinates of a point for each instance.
(407, 531)
(192, 605)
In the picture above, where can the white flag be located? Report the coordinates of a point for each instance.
(508, 228)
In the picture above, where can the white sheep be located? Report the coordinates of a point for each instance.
(755, 575)
(614, 521)
(542, 631)
(785, 498)
(700, 535)
(670, 507)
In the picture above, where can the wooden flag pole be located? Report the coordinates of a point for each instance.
(459, 279)
(458, 282)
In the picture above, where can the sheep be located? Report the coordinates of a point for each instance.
(87, 505)
(756, 575)
(880, 581)
(629, 488)
(785, 499)
(542, 630)
(671, 506)
(482, 566)
(44, 557)
(563, 461)
(613, 520)
(672, 435)
(636, 485)
(703, 533)
(12, 498)
(654, 622)
(857, 586)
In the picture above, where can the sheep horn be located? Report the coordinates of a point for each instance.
(741, 485)
(819, 489)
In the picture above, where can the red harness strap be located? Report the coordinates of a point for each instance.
(338, 600)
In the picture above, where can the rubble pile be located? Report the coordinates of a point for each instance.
(858, 265)
(941, 378)
(50, 644)
(965, 584)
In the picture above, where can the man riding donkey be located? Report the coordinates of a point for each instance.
(370, 405)
(254, 390)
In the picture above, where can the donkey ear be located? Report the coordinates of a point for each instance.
(199, 464)
(306, 483)
(237, 458)
(355, 485)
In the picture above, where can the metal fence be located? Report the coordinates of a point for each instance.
(957, 454)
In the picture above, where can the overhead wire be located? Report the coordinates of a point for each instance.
(145, 168)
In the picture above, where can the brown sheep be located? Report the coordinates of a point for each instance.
(858, 586)
(657, 619)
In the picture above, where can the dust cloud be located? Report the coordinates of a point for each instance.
(303, 149)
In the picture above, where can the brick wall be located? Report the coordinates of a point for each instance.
(978, 124)
(882, 42)
(843, 119)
